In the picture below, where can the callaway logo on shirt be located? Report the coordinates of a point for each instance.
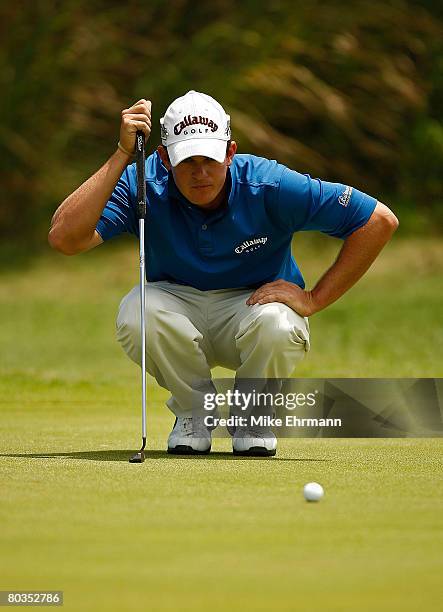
(251, 245)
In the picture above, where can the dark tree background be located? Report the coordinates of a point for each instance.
(351, 92)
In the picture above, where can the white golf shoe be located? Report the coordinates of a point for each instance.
(254, 442)
(189, 436)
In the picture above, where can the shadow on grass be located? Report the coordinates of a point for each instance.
(124, 455)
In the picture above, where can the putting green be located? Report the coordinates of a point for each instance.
(213, 532)
(216, 532)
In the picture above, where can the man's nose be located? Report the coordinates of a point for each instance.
(200, 171)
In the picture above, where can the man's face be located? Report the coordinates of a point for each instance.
(200, 179)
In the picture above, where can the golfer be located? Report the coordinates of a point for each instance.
(222, 286)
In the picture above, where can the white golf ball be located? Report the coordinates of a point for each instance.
(313, 491)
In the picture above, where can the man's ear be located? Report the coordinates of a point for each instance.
(162, 151)
(231, 152)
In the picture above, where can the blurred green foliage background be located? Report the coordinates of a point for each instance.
(351, 92)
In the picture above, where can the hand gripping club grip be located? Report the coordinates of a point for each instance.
(141, 184)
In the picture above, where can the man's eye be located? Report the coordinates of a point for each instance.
(192, 161)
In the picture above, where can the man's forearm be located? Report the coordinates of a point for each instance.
(74, 221)
(356, 256)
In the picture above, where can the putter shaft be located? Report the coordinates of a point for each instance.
(141, 200)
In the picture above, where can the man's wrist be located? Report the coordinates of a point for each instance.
(313, 306)
(125, 151)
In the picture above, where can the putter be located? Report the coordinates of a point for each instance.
(141, 200)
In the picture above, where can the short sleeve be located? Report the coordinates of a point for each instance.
(119, 216)
(335, 209)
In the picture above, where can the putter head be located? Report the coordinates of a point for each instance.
(138, 458)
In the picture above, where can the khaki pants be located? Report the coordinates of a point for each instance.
(190, 331)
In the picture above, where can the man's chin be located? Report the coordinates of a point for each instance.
(208, 197)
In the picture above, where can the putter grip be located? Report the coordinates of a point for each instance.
(140, 165)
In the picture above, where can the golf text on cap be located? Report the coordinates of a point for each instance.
(187, 121)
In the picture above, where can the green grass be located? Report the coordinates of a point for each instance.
(215, 532)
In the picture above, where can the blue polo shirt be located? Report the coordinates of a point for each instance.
(245, 243)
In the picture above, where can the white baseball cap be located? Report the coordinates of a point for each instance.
(195, 124)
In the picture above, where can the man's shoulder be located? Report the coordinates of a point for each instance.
(254, 170)
(156, 172)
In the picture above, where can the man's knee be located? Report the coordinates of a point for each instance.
(128, 318)
(129, 315)
(277, 327)
(163, 327)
